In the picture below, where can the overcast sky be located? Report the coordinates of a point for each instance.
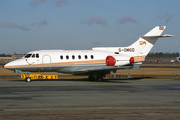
(27, 25)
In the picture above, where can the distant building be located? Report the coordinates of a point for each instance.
(5, 59)
(8, 59)
(16, 56)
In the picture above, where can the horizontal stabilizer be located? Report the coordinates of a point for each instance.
(158, 36)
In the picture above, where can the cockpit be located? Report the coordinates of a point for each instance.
(31, 55)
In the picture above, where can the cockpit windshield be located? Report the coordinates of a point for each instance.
(27, 55)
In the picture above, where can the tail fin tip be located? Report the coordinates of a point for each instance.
(156, 31)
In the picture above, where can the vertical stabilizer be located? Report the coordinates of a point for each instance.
(145, 43)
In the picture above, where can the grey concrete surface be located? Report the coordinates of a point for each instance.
(82, 99)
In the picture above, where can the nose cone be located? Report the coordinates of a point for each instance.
(14, 64)
(9, 65)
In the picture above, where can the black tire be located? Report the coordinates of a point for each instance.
(100, 79)
(91, 78)
(28, 79)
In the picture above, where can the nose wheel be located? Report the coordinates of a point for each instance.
(28, 79)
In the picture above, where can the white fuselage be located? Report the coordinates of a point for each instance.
(65, 61)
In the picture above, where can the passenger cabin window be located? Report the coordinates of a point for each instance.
(92, 57)
(67, 57)
(73, 57)
(61, 57)
(28, 55)
(79, 56)
(85, 57)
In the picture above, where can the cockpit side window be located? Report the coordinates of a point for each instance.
(37, 55)
(28, 55)
(33, 56)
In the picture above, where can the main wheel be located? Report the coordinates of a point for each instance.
(100, 79)
(91, 78)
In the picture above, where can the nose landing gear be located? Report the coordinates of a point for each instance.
(28, 79)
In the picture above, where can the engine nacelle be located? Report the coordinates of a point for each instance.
(119, 60)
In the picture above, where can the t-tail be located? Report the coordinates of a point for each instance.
(145, 43)
(139, 49)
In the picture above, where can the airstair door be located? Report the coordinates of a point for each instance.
(46, 63)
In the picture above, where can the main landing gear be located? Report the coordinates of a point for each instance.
(98, 78)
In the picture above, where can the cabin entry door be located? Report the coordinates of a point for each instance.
(46, 63)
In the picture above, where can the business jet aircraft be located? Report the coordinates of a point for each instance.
(95, 63)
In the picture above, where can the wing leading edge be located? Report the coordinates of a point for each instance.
(99, 69)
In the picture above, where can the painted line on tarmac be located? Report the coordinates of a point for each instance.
(79, 108)
(78, 114)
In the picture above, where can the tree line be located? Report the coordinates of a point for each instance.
(5, 55)
(162, 55)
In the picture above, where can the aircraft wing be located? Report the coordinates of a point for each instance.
(103, 69)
